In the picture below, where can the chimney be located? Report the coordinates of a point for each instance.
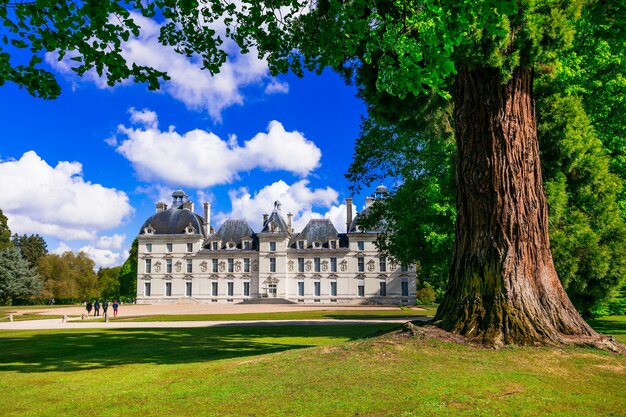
(160, 207)
(188, 205)
(289, 218)
(348, 213)
(265, 218)
(207, 218)
(369, 201)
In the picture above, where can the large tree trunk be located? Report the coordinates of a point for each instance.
(503, 287)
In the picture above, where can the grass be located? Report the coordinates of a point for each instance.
(332, 370)
(291, 315)
(613, 325)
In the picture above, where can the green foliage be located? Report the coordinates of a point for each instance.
(108, 282)
(128, 273)
(17, 278)
(31, 247)
(5, 232)
(426, 294)
(68, 276)
(586, 229)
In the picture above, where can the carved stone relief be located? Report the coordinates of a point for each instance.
(290, 265)
(308, 265)
(324, 265)
(178, 266)
(222, 266)
(371, 265)
(203, 266)
(344, 265)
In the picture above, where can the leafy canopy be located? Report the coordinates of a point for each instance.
(415, 46)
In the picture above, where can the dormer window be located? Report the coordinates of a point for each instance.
(246, 244)
(333, 244)
(215, 245)
(301, 244)
(317, 244)
(148, 230)
(231, 245)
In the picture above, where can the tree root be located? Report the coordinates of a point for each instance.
(426, 330)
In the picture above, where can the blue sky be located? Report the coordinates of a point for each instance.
(86, 169)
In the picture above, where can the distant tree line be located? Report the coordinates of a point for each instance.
(31, 275)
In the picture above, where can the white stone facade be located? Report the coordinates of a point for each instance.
(182, 259)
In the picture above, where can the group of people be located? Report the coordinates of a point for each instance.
(105, 306)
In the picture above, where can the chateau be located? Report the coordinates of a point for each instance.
(182, 258)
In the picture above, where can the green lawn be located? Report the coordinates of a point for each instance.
(292, 315)
(332, 370)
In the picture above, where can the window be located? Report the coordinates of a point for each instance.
(231, 288)
(214, 288)
(214, 245)
(246, 264)
(316, 264)
(317, 244)
(214, 264)
(300, 288)
(301, 244)
(246, 244)
(168, 266)
(246, 289)
(189, 247)
(231, 265)
(148, 247)
(146, 289)
(382, 263)
(404, 268)
(333, 264)
(272, 246)
(187, 289)
(168, 247)
(361, 264)
(272, 264)
(360, 245)
(300, 264)
(361, 288)
(168, 289)
(148, 266)
(405, 287)
(316, 288)
(333, 244)
(189, 266)
(382, 288)
(333, 288)
(231, 245)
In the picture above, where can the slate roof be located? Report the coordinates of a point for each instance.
(234, 231)
(355, 222)
(174, 221)
(320, 230)
(281, 225)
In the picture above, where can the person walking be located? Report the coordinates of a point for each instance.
(105, 307)
(115, 305)
(96, 309)
(89, 307)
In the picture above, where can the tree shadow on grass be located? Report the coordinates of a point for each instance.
(73, 350)
(609, 325)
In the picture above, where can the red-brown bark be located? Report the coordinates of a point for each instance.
(503, 287)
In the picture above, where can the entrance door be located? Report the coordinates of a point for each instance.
(272, 290)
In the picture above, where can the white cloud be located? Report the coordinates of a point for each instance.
(277, 87)
(104, 258)
(61, 249)
(296, 198)
(201, 159)
(189, 83)
(110, 242)
(57, 201)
